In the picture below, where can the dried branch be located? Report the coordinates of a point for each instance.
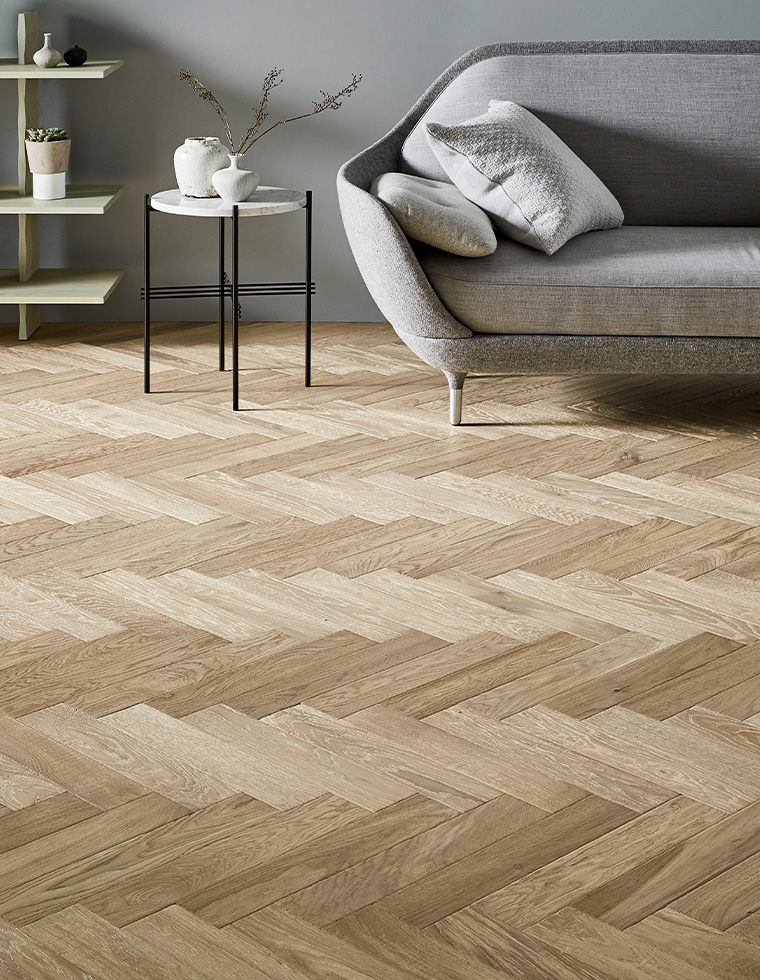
(260, 112)
(200, 89)
(328, 102)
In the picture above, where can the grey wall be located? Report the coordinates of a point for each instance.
(126, 127)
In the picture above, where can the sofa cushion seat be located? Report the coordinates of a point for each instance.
(635, 281)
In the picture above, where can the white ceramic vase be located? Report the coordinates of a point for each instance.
(234, 185)
(196, 162)
(47, 56)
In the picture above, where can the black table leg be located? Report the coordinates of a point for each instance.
(307, 319)
(221, 294)
(235, 317)
(146, 286)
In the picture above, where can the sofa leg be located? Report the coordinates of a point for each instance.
(456, 384)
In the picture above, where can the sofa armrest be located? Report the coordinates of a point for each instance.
(383, 254)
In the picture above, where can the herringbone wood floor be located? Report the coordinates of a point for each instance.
(329, 689)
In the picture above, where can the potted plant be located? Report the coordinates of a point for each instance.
(47, 151)
(233, 184)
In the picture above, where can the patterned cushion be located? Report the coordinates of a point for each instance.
(531, 184)
(436, 213)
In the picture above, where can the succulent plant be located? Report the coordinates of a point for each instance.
(51, 135)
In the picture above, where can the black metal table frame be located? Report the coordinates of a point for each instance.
(232, 289)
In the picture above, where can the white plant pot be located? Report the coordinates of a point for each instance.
(234, 185)
(48, 187)
(47, 56)
(196, 162)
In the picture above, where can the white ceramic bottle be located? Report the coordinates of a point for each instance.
(47, 56)
(234, 185)
(196, 162)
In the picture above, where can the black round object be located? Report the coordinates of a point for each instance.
(75, 56)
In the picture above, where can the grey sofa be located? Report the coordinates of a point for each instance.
(673, 129)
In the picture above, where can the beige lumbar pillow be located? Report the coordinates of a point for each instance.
(530, 183)
(436, 213)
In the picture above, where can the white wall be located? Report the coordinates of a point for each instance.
(126, 127)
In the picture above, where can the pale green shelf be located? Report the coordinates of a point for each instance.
(80, 199)
(93, 69)
(63, 286)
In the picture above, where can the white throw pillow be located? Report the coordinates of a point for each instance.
(436, 213)
(530, 183)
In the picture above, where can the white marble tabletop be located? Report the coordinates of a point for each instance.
(264, 200)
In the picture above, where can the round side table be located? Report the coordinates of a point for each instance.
(266, 200)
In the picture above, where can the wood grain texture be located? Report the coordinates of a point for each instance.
(328, 689)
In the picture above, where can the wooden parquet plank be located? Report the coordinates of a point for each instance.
(438, 693)
(562, 882)
(740, 700)
(430, 775)
(518, 775)
(603, 598)
(99, 949)
(494, 944)
(309, 763)
(113, 745)
(55, 857)
(742, 543)
(140, 851)
(541, 685)
(625, 683)
(328, 690)
(432, 658)
(86, 674)
(312, 952)
(93, 782)
(682, 542)
(702, 947)
(21, 958)
(20, 787)
(19, 827)
(731, 733)
(457, 839)
(398, 946)
(146, 886)
(698, 685)
(464, 882)
(624, 740)
(554, 761)
(516, 549)
(659, 882)
(726, 899)
(747, 930)
(598, 946)
(201, 950)
(303, 866)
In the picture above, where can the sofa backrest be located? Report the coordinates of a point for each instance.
(674, 133)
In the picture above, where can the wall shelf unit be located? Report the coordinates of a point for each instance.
(28, 286)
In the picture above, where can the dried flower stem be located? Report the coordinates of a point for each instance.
(260, 112)
(200, 89)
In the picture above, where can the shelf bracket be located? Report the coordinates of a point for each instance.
(28, 118)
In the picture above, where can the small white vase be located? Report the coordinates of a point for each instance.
(196, 162)
(234, 185)
(47, 56)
